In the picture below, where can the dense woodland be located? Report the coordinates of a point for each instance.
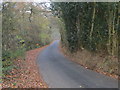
(25, 26)
(92, 26)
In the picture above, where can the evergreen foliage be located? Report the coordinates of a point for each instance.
(90, 25)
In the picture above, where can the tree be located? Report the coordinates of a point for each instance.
(93, 25)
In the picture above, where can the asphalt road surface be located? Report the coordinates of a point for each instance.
(59, 72)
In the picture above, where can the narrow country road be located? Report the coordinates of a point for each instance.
(59, 72)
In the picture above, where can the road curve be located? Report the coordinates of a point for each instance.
(59, 72)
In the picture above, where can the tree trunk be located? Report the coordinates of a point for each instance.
(93, 19)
